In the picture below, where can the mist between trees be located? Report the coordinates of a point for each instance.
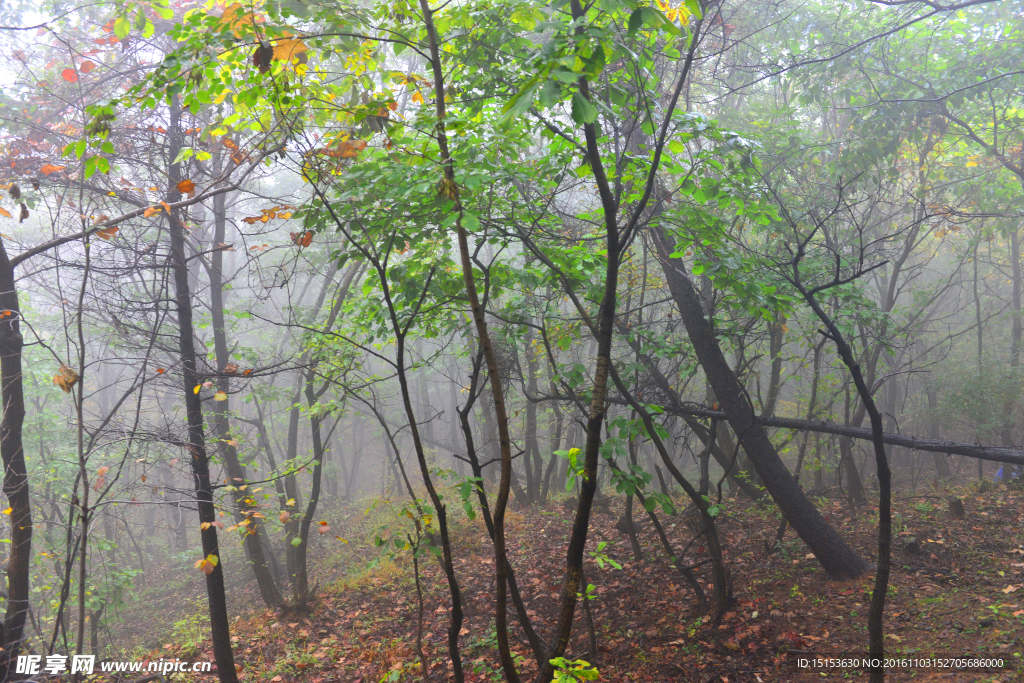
(263, 263)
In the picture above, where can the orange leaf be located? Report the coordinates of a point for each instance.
(289, 50)
(350, 149)
(167, 207)
(284, 516)
(186, 187)
(107, 233)
(65, 378)
(69, 75)
(47, 169)
(86, 66)
(4, 212)
(151, 211)
(160, 371)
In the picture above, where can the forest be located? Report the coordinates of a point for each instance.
(493, 340)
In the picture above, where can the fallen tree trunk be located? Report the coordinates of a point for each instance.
(991, 453)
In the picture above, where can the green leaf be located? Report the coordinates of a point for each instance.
(122, 27)
(636, 20)
(651, 17)
(550, 93)
(163, 11)
(521, 102)
(582, 110)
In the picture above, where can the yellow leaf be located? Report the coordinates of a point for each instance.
(8, 511)
(198, 387)
(291, 501)
(236, 19)
(289, 49)
(220, 396)
(417, 97)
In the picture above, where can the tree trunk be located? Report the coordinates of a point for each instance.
(836, 557)
(245, 503)
(1006, 434)
(300, 585)
(531, 457)
(876, 613)
(15, 486)
(220, 627)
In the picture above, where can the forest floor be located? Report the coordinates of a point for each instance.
(961, 593)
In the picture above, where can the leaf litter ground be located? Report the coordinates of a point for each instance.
(959, 591)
